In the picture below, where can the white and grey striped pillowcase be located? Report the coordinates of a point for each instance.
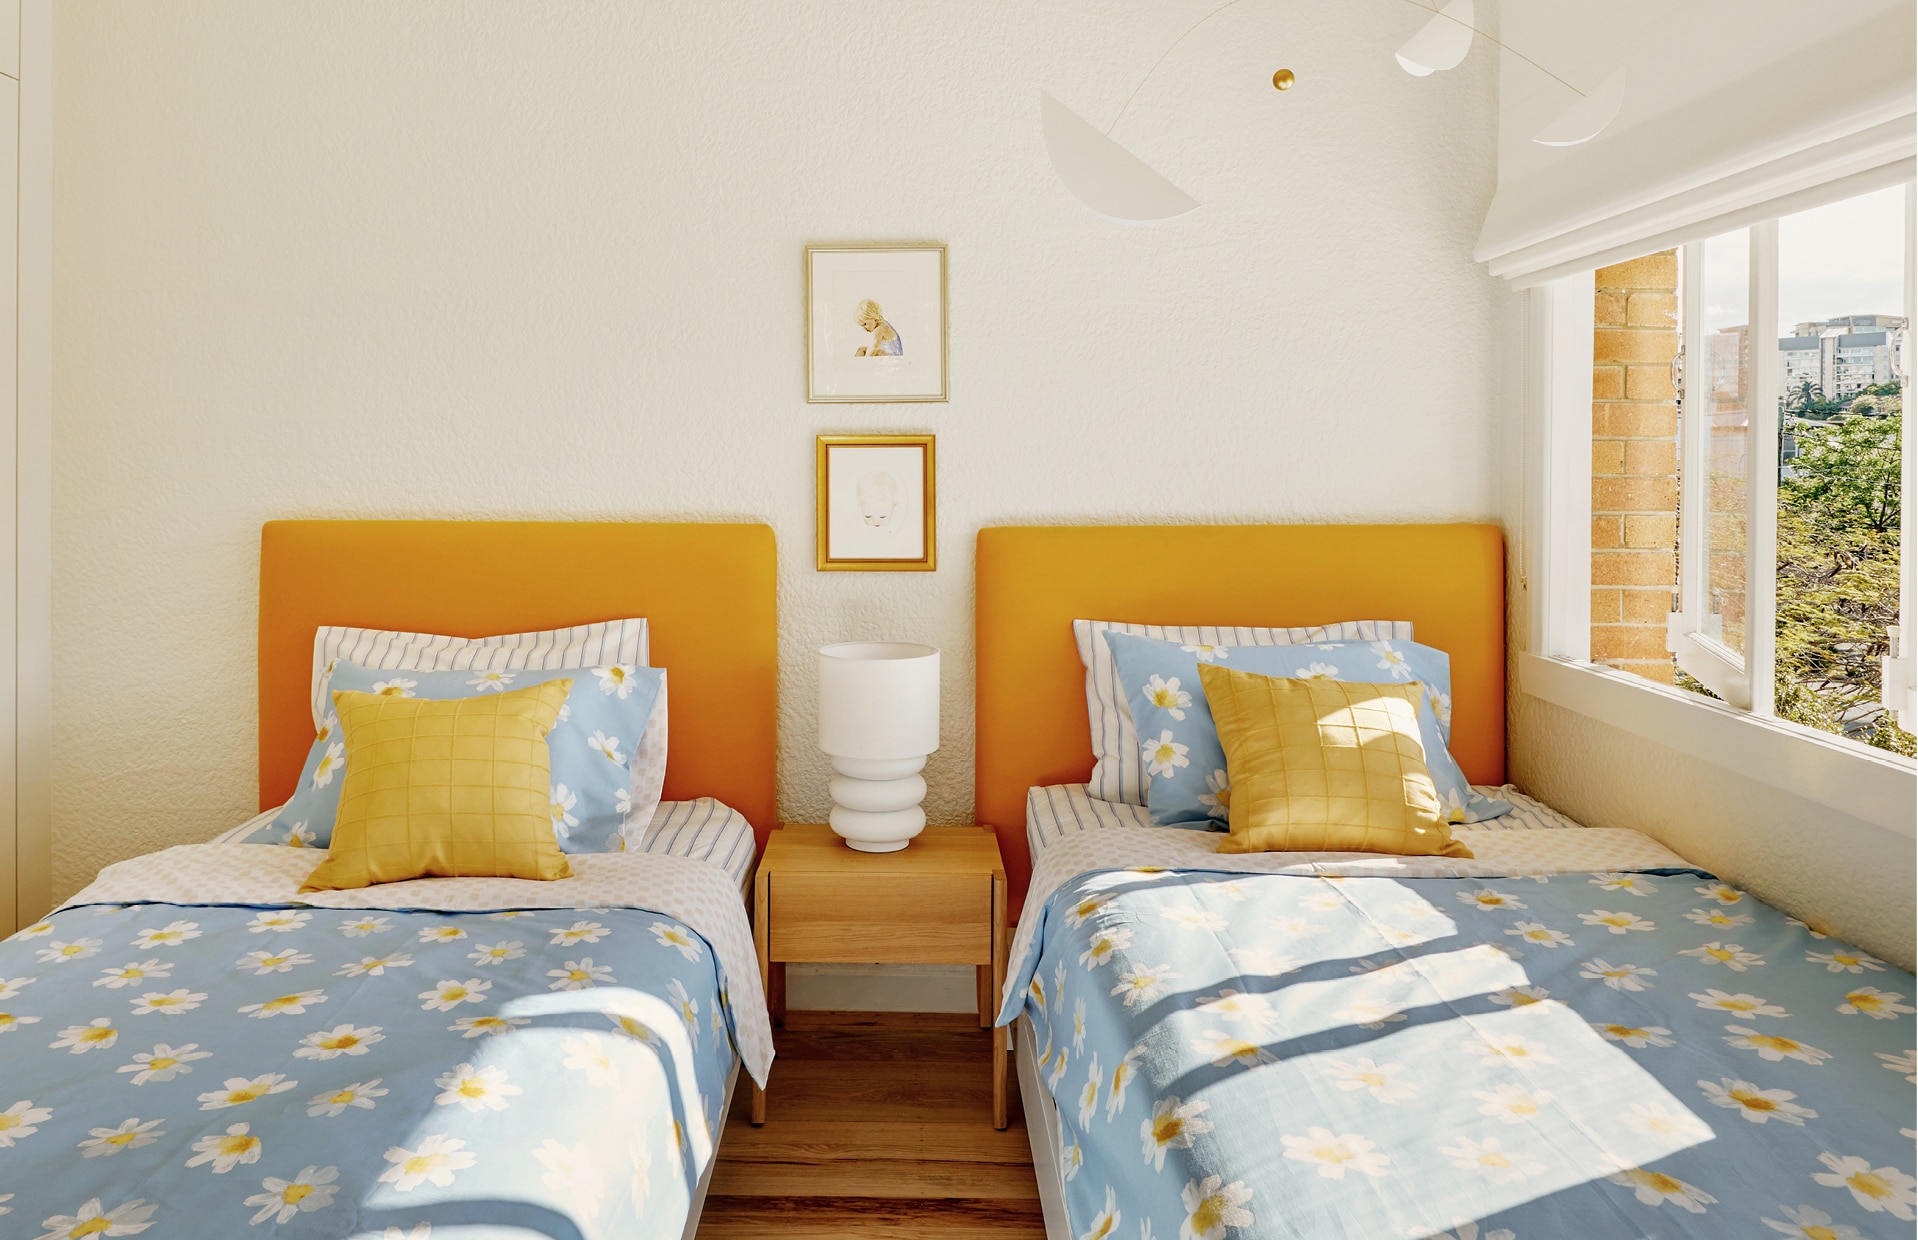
(705, 830)
(1118, 774)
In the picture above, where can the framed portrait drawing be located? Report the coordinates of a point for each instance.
(876, 504)
(875, 323)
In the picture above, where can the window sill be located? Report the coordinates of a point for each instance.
(1880, 788)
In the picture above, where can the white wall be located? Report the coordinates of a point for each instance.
(521, 259)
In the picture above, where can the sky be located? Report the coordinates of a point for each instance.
(1844, 258)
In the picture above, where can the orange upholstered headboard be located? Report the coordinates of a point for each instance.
(1034, 581)
(706, 591)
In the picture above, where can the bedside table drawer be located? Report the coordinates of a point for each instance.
(907, 919)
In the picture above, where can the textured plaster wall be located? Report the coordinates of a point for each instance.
(348, 258)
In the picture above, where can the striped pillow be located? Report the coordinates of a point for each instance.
(1117, 772)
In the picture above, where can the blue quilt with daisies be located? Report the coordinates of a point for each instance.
(1609, 1057)
(182, 1071)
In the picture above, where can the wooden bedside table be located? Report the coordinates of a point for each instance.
(940, 900)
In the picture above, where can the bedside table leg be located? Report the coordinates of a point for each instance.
(998, 985)
(762, 941)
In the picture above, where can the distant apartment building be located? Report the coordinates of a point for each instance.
(1840, 357)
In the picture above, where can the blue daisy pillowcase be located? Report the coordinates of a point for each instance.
(593, 748)
(1187, 784)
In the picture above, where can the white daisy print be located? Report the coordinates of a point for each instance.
(441, 934)
(572, 1173)
(1539, 935)
(329, 765)
(285, 1005)
(434, 1161)
(1335, 1155)
(171, 1003)
(493, 1026)
(1720, 892)
(132, 974)
(1617, 923)
(1441, 704)
(1513, 1104)
(1731, 955)
(1089, 1092)
(676, 937)
(1737, 1005)
(1079, 1027)
(1318, 671)
(22, 1119)
(1809, 1224)
(279, 921)
(1172, 1126)
(1488, 899)
(1167, 696)
(360, 927)
(10, 1021)
(1491, 1160)
(10, 987)
(239, 1090)
(1865, 1001)
(495, 953)
(606, 747)
(1165, 756)
(579, 932)
(1512, 1047)
(1617, 976)
(1224, 1048)
(130, 1135)
(587, 1053)
(334, 1102)
(1217, 797)
(312, 1189)
(97, 1033)
(491, 682)
(1876, 1189)
(1205, 653)
(1657, 1120)
(1367, 1014)
(1258, 962)
(616, 680)
(1638, 1037)
(265, 962)
(476, 1089)
(236, 1146)
(687, 1006)
(375, 966)
(1383, 1081)
(1631, 884)
(163, 1062)
(399, 686)
(339, 1040)
(1772, 1048)
(447, 995)
(1142, 984)
(1390, 660)
(581, 974)
(1106, 1221)
(633, 1027)
(58, 952)
(563, 802)
(1252, 1011)
(1654, 1188)
(1122, 1074)
(1520, 996)
(1758, 1106)
(1211, 1207)
(1846, 960)
(1076, 916)
(126, 1219)
(1718, 917)
(299, 835)
(1103, 944)
(170, 935)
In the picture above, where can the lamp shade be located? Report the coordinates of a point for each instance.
(879, 700)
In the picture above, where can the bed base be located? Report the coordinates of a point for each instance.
(1042, 1130)
(698, 1204)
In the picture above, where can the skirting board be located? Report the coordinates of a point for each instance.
(698, 1204)
(1042, 1129)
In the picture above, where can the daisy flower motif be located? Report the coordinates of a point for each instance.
(434, 1161)
(330, 763)
(476, 1089)
(1142, 984)
(1224, 1048)
(1058, 1071)
(1865, 1001)
(163, 1062)
(312, 1189)
(447, 995)
(79, 1039)
(1382, 1081)
(587, 1053)
(687, 1006)
(1616, 976)
(563, 801)
(1076, 916)
(1513, 1104)
(1655, 1119)
(1211, 1207)
(1635, 1036)
(1737, 1005)
(1758, 1106)
(1172, 1126)
(1877, 1190)
(491, 1026)
(1772, 1048)
(57, 952)
(130, 1135)
(1297, 926)
(1539, 934)
(1217, 798)
(1106, 1221)
(126, 1219)
(1441, 704)
(1521, 996)
(571, 1173)
(441, 934)
(1165, 756)
(170, 935)
(484, 954)
(1731, 955)
(1079, 1027)
(1258, 962)
(1167, 696)
(1617, 923)
(1253, 1011)
(238, 1091)
(279, 921)
(22, 1119)
(360, 927)
(1488, 899)
(1489, 1159)
(334, 1102)
(375, 966)
(677, 938)
(9, 1021)
(10, 987)
(633, 1027)
(1720, 892)
(1194, 918)
(129, 974)
(1846, 960)
(1368, 1014)
(1630, 884)
(1390, 660)
(1718, 917)
(285, 1005)
(606, 747)
(265, 962)
(337, 1041)
(579, 932)
(299, 835)
(1089, 1092)
(1654, 1188)
(1511, 1047)
(616, 680)
(491, 682)
(1103, 944)
(1809, 1224)
(1317, 671)
(1335, 1155)
(236, 1146)
(581, 974)
(399, 686)
(1206, 653)
(1122, 1074)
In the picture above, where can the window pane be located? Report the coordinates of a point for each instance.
(1841, 296)
(1725, 310)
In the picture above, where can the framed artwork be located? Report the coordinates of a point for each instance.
(875, 323)
(876, 504)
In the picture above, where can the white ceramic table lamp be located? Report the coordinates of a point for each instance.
(878, 721)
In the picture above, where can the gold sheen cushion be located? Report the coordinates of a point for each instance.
(1325, 766)
(449, 789)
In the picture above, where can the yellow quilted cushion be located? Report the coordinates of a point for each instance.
(454, 789)
(1325, 766)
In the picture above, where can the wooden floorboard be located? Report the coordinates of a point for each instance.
(875, 1128)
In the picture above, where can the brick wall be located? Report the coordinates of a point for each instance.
(1634, 463)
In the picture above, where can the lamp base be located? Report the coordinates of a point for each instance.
(876, 804)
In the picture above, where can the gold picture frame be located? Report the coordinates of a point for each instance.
(855, 294)
(866, 509)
